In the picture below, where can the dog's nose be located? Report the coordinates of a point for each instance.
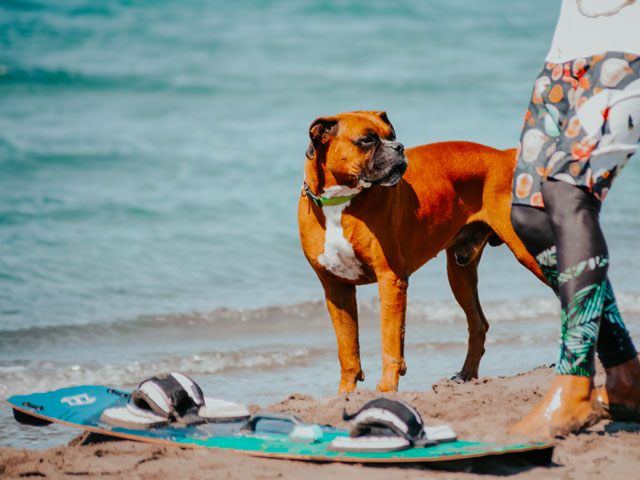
(397, 146)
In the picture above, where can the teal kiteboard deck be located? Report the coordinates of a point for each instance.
(82, 406)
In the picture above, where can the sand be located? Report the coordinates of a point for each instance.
(482, 409)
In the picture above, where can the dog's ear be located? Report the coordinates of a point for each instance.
(385, 119)
(311, 151)
(320, 131)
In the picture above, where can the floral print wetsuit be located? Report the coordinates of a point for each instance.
(581, 127)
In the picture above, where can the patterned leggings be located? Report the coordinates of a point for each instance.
(568, 244)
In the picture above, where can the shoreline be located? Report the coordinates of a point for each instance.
(479, 410)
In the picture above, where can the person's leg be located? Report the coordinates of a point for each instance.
(615, 346)
(586, 158)
(566, 238)
(582, 262)
(533, 227)
(621, 394)
(570, 403)
(587, 298)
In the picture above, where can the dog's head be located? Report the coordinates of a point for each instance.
(356, 150)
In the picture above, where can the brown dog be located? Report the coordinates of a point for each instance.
(356, 229)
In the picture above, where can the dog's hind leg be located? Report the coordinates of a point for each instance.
(464, 284)
(341, 302)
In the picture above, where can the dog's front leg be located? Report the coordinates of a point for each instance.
(393, 308)
(343, 308)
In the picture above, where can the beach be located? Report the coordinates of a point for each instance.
(481, 409)
(151, 163)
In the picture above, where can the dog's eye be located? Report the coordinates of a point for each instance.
(368, 140)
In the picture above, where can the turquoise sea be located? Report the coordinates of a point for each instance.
(151, 160)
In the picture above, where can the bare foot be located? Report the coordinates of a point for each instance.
(569, 406)
(620, 397)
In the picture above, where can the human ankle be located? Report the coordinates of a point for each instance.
(623, 378)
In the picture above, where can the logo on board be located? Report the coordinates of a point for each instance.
(77, 400)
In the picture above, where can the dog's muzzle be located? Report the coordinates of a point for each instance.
(387, 167)
(395, 174)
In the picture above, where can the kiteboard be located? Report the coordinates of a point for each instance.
(266, 434)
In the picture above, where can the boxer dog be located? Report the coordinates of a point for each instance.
(372, 212)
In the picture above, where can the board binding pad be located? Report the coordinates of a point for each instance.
(268, 435)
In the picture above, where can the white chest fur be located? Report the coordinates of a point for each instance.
(338, 256)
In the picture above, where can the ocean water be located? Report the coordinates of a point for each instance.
(151, 159)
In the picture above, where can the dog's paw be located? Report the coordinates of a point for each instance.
(461, 377)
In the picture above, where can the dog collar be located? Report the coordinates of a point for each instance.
(319, 201)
